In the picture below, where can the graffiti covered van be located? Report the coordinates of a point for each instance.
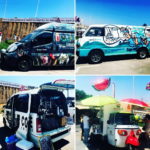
(108, 40)
(51, 44)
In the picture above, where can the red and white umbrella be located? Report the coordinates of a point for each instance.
(136, 102)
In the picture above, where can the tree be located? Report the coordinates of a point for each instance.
(80, 95)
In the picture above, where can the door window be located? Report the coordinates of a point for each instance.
(43, 38)
(21, 103)
(10, 103)
(65, 38)
(95, 31)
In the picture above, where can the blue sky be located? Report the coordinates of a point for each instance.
(128, 12)
(126, 86)
(46, 9)
(36, 80)
(33, 80)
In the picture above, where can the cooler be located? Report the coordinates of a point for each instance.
(24, 145)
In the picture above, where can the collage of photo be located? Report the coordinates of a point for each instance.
(74, 75)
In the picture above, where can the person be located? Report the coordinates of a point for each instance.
(0, 37)
(144, 137)
(81, 126)
(86, 128)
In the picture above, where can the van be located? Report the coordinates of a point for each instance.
(51, 44)
(110, 40)
(38, 113)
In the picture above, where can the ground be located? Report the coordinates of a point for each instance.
(114, 65)
(7, 132)
(39, 71)
(100, 145)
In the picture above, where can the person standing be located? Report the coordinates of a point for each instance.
(86, 128)
(0, 37)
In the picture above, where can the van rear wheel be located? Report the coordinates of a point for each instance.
(24, 65)
(142, 54)
(95, 57)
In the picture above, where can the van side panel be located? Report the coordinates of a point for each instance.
(117, 41)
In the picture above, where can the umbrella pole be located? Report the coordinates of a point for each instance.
(113, 89)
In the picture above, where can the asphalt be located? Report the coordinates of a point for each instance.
(114, 65)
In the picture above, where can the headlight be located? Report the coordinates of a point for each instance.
(12, 47)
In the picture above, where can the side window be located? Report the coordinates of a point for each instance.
(44, 38)
(64, 38)
(147, 32)
(10, 103)
(96, 32)
(35, 102)
(111, 119)
(21, 102)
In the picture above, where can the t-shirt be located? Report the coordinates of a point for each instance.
(85, 122)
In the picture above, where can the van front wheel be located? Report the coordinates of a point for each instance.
(24, 65)
(95, 57)
(142, 54)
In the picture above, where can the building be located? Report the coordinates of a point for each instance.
(20, 27)
(7, 89)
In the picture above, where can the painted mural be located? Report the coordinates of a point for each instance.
(133, 37)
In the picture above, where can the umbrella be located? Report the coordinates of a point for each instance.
(135, 102)
(101, 84)
(99, 101)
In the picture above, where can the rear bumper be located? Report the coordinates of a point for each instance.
(56, 135)
(8, 59)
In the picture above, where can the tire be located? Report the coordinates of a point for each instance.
(4, 122)
(24, 65)
(95, 57)
(142, 54)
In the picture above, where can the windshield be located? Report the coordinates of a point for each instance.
(30, 36)
(125, 119)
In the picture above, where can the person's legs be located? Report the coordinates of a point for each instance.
(86, 135)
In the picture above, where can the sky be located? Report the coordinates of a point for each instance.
(126, 12)
(36, 80)
(125, 86)
(38, 8)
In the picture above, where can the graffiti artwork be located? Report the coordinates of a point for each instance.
(112, 40)
(135, 36)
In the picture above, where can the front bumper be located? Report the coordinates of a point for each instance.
(8, 59)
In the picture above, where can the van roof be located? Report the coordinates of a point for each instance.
(103, 25)
(33, 91)
(57, 27)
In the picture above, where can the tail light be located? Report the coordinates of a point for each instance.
(138, 132)
(38, 126)
(122, 132)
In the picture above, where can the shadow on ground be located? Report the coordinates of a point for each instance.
(84, 60)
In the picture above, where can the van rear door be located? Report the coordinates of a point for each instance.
(22, 104)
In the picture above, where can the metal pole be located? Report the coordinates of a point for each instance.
(37, 8)
(113, 89)
(5, 9)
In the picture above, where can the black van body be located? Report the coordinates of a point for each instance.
(49, 45)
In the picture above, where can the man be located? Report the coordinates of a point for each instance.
(144, 138)
(86, 128)
(0, 37)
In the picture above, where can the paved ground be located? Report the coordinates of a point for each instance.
(93, 145)
(39, 71)
(114, 65)
(7, 132)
